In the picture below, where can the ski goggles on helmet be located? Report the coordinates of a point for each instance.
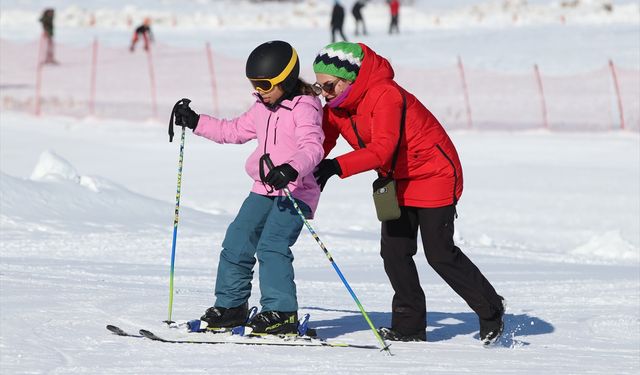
(328, 87)
(264, 85)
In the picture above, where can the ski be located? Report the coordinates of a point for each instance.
(120, 332)
(211, 331)
(194, 325)
(198, 332)
(252, 339)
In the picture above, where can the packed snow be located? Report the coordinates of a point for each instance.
(551, 218)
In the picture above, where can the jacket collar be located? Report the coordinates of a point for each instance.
(287, 104)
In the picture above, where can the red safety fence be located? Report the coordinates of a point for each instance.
(112, 82)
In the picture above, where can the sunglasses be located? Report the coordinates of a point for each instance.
(264, 85)
(328, 87)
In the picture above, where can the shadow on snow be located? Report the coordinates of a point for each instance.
(441, 326)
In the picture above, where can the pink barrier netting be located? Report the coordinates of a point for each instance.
(111, 82)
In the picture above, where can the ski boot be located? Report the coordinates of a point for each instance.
(391, 334)
(491, 329)
(220, 317)
(275, 323)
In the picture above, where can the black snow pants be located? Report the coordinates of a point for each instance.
(399, 245)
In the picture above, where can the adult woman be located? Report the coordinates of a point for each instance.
(366, 107)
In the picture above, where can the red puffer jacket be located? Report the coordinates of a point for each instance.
(428, 169)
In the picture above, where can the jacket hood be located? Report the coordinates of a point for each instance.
(374, 70)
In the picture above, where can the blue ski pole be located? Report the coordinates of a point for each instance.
(385, 347)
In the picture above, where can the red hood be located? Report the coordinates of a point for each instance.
(374, 69)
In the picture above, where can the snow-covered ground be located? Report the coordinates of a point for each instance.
(552, 219)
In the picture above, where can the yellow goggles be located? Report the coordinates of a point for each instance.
(265, 85)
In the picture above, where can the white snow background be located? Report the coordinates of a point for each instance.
(551, 218)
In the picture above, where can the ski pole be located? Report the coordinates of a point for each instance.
(385, 347)
(177, 209)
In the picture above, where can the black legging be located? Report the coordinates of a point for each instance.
(333, 34)
(399, 245)
(394, 25)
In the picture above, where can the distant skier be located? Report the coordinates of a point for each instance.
(47, 27)
(357, 14)
(394, 10)
(143, 31)
(286, 120)
(337, 21)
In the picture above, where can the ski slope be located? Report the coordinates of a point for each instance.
(552, 219)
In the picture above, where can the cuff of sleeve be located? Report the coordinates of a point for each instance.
(336, 165)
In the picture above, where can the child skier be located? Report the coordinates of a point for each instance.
(286, 119)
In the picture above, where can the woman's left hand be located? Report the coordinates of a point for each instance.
(326, 169)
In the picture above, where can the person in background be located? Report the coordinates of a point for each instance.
(367, 108)
(357, 14)
(143, 31)
(337, 21)
(394, 9)
(47, 27)
(286, 121)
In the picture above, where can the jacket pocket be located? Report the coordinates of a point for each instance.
(455, 173)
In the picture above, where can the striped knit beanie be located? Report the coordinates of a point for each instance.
(341, 59)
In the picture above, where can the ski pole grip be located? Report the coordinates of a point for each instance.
(267, 160)
(172, 118)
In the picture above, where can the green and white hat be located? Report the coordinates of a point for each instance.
(341, 59)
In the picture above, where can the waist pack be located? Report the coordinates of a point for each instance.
(385, 199)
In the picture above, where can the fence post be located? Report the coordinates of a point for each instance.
(214, 90)
(466, 93)
(152, 80)
(92, 87)
(36, 109)
(614, 75)
(543, 102)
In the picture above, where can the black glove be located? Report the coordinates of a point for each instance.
(185, 116)
(326, 169)
(280, 176)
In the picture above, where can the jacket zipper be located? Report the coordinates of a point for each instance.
(455, 174)
(266, 134)
(275, 131)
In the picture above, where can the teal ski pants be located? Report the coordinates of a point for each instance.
(266, 228)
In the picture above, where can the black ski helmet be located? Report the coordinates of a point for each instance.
(275, 62)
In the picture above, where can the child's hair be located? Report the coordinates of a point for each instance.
(302, 88)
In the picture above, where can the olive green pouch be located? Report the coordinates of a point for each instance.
(385, 199)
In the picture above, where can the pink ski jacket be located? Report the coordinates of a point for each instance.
(290, 133)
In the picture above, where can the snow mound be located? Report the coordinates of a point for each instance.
(57, 198)
(608, 246)
(52, 167)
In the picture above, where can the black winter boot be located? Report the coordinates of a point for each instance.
(220, 317)
(275, 322)
(491, 329)
(393, 335)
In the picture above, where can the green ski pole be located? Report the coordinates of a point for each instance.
(177, 209)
